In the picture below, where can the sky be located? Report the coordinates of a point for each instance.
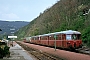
(23, 10)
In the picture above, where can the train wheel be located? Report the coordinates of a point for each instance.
(71, 48)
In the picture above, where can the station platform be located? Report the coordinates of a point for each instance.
(18, 53)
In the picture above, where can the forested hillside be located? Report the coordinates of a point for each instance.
(64, 15)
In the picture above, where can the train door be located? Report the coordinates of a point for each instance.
(39, 40)
(64, 41)
(59, 40)
(48, 40)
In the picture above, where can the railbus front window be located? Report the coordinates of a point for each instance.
(68, 37)
(76, 36)
(73, 37)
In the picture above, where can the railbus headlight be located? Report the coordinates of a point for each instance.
(68, 42)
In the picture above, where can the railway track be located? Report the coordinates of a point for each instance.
(39, 54)
(44, 56)
(84, 50)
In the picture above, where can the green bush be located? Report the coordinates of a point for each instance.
(86, 36)
(4, 52)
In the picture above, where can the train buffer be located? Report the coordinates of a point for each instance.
(18, 53)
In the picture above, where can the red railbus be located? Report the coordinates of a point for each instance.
(63, 39)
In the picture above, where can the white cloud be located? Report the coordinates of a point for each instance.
(10, 16)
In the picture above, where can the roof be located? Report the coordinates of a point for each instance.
(62, 32)
(70, 32)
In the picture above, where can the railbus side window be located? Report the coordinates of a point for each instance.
(42, 38)
(59, 37)
(34, 38)
(51, 37)
(63, 37)
(56, 37)
(31, 38)
(39, 38)
(46, 37)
